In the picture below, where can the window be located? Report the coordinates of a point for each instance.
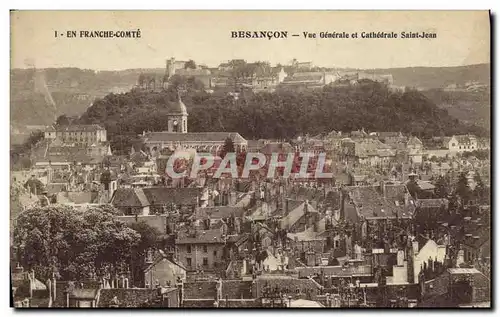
(205, 249)
(188, 262)
(453, 144)
(460, 147)
(215, 253)
(205, 261)
(337, 243)
(188, 248)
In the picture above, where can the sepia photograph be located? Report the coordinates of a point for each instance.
(250, 159)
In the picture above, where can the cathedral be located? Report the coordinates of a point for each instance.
(178, 137)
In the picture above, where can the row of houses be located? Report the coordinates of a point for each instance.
(259, 76)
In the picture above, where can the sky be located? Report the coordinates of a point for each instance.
(463, 38)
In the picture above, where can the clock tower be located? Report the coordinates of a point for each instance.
(177, 118)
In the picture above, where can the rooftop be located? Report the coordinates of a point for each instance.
(75, 128)
(370, 203)
(204, 237)
(463, 271)
(220, 212)
(218, 137)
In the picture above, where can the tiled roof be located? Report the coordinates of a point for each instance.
(220, 212)
(287, 284)
(129, 197)
(336, 271)
(165, 195)
(198, 236)
(194, 137)
(78, 128)
(431, 203)
(160, 257)
(370, 203)
(294, 215)
(127, 297)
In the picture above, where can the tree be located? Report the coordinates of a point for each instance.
(150, 238)
(34, 186)
(178, 83)
(74, 243)
(33, 140)
(413, 188)
(282, 114)
(480, 191)
(63, 120)
(462, 188)
(190, 64)
(442, 187)
(141, 80)
(228, 147)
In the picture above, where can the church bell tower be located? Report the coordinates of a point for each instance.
(177, 119)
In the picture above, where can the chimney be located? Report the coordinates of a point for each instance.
(18, 269)
(460, 258)
(49, 288)
(54, 284)
(400, 258)
(415, 247)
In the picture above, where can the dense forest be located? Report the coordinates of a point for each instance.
(437, 77)
(283, 114)
(74, 89)
(467, 106)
